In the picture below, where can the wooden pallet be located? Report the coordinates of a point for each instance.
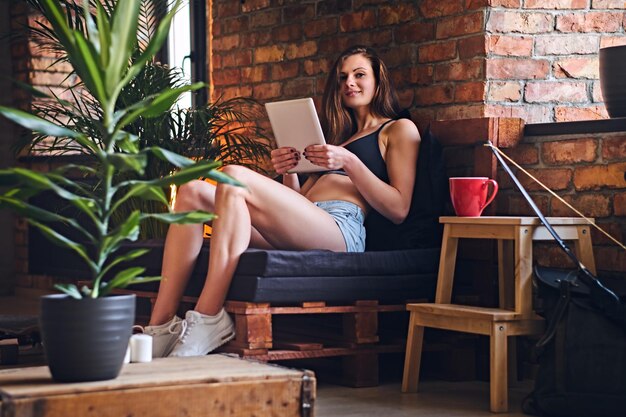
(310, 330)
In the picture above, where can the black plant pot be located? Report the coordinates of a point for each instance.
(86, 340)
(613, 79)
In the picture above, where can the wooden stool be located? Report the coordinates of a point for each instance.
(515, 315)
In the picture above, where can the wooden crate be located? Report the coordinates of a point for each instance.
(213, 385)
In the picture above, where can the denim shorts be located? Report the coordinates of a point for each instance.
(349, 217)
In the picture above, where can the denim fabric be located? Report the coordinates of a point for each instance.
(350, 218)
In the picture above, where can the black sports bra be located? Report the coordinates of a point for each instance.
(367, 150)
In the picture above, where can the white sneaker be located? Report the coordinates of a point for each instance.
(202, 334)
(164, 336)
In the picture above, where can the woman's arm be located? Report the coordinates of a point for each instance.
(392, 200)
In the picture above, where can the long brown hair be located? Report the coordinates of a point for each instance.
(337, 120)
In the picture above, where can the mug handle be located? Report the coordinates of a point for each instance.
(493, 194)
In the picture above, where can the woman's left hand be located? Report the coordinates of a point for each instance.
(328, 156)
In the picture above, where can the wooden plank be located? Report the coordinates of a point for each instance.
(285, 345)
(501, 131)
(247, 398)
(36, 381)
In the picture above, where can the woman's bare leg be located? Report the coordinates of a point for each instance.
(182, 247)
(282, 216)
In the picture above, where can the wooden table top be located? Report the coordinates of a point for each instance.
(36, 381)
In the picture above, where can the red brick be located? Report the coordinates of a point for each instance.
(434, 52)
(299, 87)
(252, 5)
(571, 114)
(267, 91)
(577, 68)
(555, 4)
(550, 255)
(614, 148)
(339, 6)
(610, 258)
(469, 92)
(398, 13)
(600, 176)
(619, 204)
(414, 32)
(227, 77)
(434, 94)
(400, 56)
(607, 41)
(237, 59)
(523, 154)
(472, 47)
(225, 9)
(460, 25)
(517, 69)
(553, 178)
(284, 70)
(513, 4)
(301, 50)
(439, 8)
(613, 229)
(234, 25)
(256, 74)
(365, 19)
(596, 92)
(376, 39)
(589, 22)
(265, 19)
(504, 91)
(543, 92)
(274, 53)
(287, 33)
(460, 70)
(569, 151)
(256, 39)
(226, 43)
(590, 205)
(321, 27)
(316, 66)
(608, 4)
(519, 22)
(516, 205)
(463, 111)
(411, 76)
(510, 45)
(301, 12)
(566, 45)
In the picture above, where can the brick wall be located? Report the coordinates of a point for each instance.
(587, 171)
(542, 57)
(433, 49)
(450, 59)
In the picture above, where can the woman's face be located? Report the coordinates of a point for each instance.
(357, 82)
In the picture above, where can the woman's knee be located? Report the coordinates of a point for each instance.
(242, 174)
(195, 195)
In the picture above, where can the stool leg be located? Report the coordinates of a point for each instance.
(413, 356)
(498, 369)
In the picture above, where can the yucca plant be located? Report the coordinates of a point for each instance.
(100, 54)
(222, 130)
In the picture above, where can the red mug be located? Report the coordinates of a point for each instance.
(469, 195)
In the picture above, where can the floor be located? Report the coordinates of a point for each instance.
(435, 399)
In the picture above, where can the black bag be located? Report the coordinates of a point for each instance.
(582, 355)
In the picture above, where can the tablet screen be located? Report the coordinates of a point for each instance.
(295, 123)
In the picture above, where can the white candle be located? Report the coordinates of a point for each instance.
(140, 348)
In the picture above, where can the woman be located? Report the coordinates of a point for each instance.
(370, 158)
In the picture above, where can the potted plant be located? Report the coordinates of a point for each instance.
(86, 330)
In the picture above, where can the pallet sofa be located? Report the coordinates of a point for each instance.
(314, 304)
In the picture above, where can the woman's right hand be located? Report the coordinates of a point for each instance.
(285, 158)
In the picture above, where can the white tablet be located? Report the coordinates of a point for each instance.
(295, 123)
